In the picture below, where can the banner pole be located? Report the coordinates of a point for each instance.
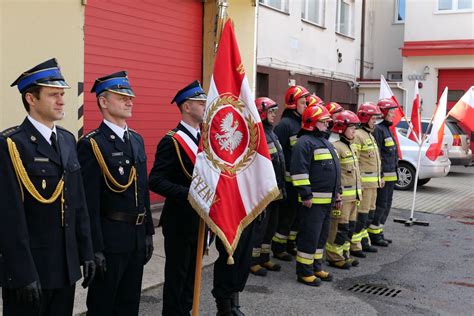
(198, 270)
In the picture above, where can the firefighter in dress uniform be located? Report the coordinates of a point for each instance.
(171, 177)
(370, 171)
(343, 219)
(315, 173)
(284, 240)
(114, 171)
(266, 224)
(389, 158)
(44, 226)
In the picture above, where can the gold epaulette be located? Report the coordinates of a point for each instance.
(171, 133)
(10, 131)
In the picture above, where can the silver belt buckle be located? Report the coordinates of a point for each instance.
(140, 219)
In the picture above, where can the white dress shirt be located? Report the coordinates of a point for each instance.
(191, 129)
(117, 129)
(44, 130)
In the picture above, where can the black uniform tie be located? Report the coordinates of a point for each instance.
(126, 137)
(198, 137)
(54, 142)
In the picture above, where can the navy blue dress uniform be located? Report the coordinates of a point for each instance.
(265, 226)
(171, 178)
(44, 225)
(389, 158)
(316, 175)
(116, 185)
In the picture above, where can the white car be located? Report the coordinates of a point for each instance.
(428, 168)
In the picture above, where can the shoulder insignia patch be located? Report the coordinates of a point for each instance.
(171, 133)
(91, 133)
(10, 131)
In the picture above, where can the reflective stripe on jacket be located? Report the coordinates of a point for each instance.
(315, 170)
(350, 173)
(368, 154)
(388, 150)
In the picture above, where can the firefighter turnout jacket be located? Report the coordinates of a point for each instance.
(368, 156)
(287, 133)
(388, 150)
(350, 175)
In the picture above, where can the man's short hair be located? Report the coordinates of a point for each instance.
(104, 94)
(35, 91)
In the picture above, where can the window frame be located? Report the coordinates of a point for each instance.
(284, 8)
(454, 8)
(397, 10)
(321, 13)
(351, 15)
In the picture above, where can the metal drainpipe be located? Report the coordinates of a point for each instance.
(362, 43)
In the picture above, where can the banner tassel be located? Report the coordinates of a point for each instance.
(230, 260)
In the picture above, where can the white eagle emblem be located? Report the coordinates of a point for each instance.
(231, 138)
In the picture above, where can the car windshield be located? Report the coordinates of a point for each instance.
(424, 125)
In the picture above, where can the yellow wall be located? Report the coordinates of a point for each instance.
(32, 31)
(243, 14)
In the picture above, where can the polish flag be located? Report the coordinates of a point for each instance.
(233, 178)
(463, 110)
(415, 134)
(437, 131)
(386, 93)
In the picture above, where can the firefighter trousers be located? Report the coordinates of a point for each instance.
(264, 229)
(338, 244)
(312, 236)
(286, 217)
(364, 212)
(383, 206)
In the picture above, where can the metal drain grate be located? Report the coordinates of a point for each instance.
(374, 289)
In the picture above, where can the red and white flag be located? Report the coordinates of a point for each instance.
(437, 131)
(415, 134)
(386, 93)
(233, 178)
(463, 110)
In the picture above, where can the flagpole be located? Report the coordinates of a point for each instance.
(416, 181)
(198, 270)
(222, 17)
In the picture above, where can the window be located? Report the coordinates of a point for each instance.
(345, 17)
(316, 88)
(455, 5)
(262, 85)
(313, 11)
(394, 76)
(281, 5)
(400, 11)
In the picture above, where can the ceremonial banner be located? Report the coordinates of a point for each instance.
(437, 131)
(463, 110)
(386, 93)
(415, 133)
(233, 178)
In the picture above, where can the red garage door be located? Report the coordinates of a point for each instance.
(457, 81)
(159, 43)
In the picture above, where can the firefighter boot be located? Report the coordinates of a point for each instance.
(270, 266)
(376, 240)
(339, 264)
(358, 253)
(319, 272)
(387, 240)
(309, 280)
(235, 306)
(366, 247)
(258, 270)
(224, 307)
(283, 256)
(353, 262)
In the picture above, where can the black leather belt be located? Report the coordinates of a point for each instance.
(137, 219)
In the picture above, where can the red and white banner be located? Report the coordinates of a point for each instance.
(233, 178)
(463, 110)
(415, 134)
(386, 93)
(437, 131)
